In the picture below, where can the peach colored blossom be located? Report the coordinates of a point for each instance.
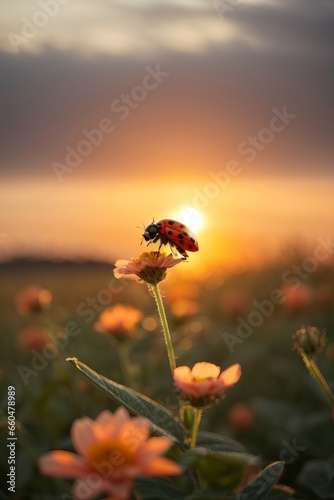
(34, 337)
(118, 320)
(150, 267)
(205, 379)
(111, 452)
(32, 299)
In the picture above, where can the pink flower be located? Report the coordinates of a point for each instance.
(241, 417)
(32, 299)
(297, 298)
(150, 267)
(34, 337)
(205, 384)
(112, 451)
(118, 321)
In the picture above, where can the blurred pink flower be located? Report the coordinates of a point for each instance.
(112, 451)
(204, 381)
(297, 298)
(234, 303)
(241, 417)
(34, 337)
(118, 321)
(32, 299)
(150, 267)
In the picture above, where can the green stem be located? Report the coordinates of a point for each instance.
(125, 361)
(194, 430)
(312, 367)
(163, 319)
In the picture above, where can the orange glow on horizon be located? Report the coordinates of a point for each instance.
(242, 226)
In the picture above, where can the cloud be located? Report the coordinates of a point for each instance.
(221, 88)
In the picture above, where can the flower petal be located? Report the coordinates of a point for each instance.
(82, 434)
(105, 417)
(183, 374)
(93, 485)
(231, 375)
(154, 447)
(135, 432)
(162, 467)
(205, 370)
(60, 463)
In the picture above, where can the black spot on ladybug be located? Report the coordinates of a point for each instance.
(193, 240)
(180, 236)
(190, 246)
(170, 233)
(185, 234)
(181, 226)
(171, 222)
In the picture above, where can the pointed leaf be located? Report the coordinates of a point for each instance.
(263, 483)
(217, 442)
(218, 469)
(209, 494)
(158, 488)
(162, 421)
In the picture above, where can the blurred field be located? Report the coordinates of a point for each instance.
(285, 415)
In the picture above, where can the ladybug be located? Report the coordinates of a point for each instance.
(173, 232)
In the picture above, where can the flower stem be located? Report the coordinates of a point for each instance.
(194, 430)
(124, 357)
(163, 319)
(314, 370)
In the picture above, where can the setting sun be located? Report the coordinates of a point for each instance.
(192, 218)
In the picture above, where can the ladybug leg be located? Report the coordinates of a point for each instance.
(183, 253)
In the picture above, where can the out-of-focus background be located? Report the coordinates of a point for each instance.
(217, 114)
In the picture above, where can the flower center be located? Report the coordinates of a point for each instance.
(150, 256)
(109, 455)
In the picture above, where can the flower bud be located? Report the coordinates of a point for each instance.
(308, 340)
(187, 416)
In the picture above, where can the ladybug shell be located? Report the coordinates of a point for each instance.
(178, 234)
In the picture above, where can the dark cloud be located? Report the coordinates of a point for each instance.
(198, 116)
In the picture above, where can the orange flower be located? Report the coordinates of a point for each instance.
(150, 267)
(204, 384)
(32, 299)
(112, 451)
(34, 337)
(118, 321)
(183, 308)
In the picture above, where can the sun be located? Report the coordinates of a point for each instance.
(192, 218)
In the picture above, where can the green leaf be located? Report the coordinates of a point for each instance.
(209, 494)
(158, 488)
(218, 469)
(263, 483)
(162, 421)
(215, 442)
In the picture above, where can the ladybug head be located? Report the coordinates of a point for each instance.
(150, 232)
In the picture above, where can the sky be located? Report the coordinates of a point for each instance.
(216, 113)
